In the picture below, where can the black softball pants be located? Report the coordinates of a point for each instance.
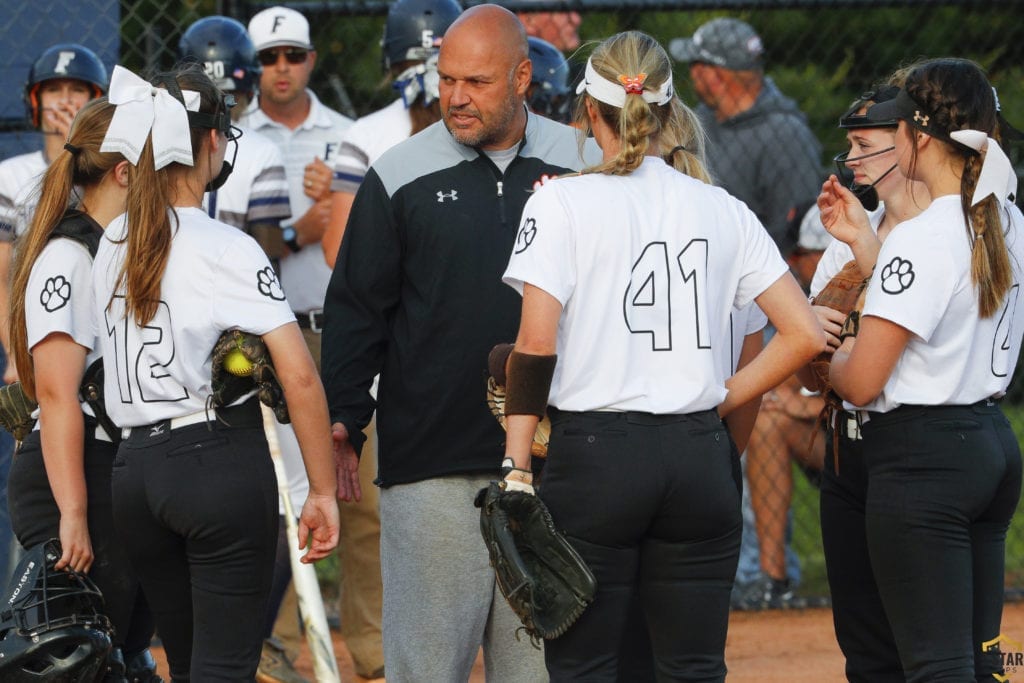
(35, 518)
(861, 625)
(652, 503)
(943, 484)
(197, 507)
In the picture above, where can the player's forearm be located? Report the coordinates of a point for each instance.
(305, 395)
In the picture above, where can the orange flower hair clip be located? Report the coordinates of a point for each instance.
(634, 85)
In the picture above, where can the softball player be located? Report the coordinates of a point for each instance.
(412, 34)
(60, 479)
(862, 628)
(195, 496)
(642, 474)
(938, 342)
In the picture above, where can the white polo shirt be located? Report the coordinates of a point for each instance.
(304, 275)
(922, 282)
(648, 268)
(368, 138)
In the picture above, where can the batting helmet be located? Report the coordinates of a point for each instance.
(226, 52)
(66, 60)
(51, 628)
(414, 28)
(549, 86)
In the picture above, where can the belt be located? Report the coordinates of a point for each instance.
(311, 320)
(848, 426)
(246, 414)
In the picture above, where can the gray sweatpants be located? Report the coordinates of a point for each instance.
(440, 600)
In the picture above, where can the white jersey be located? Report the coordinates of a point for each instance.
(743, 322)
(368, 138)
(837, 254)
(217, 278)
(304, 275)
(256, 191)
(20, 177)
(58, 297)
(922, 282)
(648, 268)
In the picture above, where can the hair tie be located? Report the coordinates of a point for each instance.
(677, 148)
(75, 151)
(634, 85)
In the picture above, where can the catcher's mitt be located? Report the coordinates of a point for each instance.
(545, 581)
(496, 400)
(16, 411)
(228, 387)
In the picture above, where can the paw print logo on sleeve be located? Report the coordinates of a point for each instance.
(56, 293)
(268, 284)
(526, 234)
(897, 276)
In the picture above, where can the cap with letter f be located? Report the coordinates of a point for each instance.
(278, 27)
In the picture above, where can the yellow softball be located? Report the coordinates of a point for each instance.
(237, 364)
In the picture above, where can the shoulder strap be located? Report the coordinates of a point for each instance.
(81, 228)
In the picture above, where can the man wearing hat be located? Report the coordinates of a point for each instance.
(308, 134)
(760, 148)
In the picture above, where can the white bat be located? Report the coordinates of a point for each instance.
(311, 603)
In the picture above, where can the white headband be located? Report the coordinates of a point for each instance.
(996, 176)
(142, 107)
(603, 90)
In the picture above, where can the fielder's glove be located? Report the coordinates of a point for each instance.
(16, 411)
(496, 400)
(546, 582)
(228, 388)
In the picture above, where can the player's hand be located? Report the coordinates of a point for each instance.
(316, 180)
(831, 321)
(318, 527)
(57, 119)
(75, 543)
(842, 213)
(346, 463)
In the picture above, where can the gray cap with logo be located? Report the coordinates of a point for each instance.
(729, 43)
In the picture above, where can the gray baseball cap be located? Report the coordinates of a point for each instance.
(729, 43)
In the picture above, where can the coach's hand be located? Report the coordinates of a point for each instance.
(347, 463)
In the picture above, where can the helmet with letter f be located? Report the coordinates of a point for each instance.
(64, 60)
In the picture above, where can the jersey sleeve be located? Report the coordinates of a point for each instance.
(268, 198)
(58, 296)
(247, 294)
(543, 252)
(911, 285)
(351, 162)
(762, 263)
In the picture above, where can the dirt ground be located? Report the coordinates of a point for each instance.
(792, 646)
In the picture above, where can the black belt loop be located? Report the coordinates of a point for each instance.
(311, 320)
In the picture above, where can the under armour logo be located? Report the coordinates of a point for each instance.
(278, 20)
(157, 429)
(923, 120)
(64, 59)
(441, 196)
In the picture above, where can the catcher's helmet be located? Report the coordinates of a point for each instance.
(414, 28)
(51, 626)
(222, 46)
(549, 86)
(66, 60)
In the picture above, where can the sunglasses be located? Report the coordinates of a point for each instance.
(293, 55)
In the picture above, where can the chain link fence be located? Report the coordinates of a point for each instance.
(820, 53)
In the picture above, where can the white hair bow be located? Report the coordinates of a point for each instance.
(419, 78)
(997, 176)
(141, 108)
